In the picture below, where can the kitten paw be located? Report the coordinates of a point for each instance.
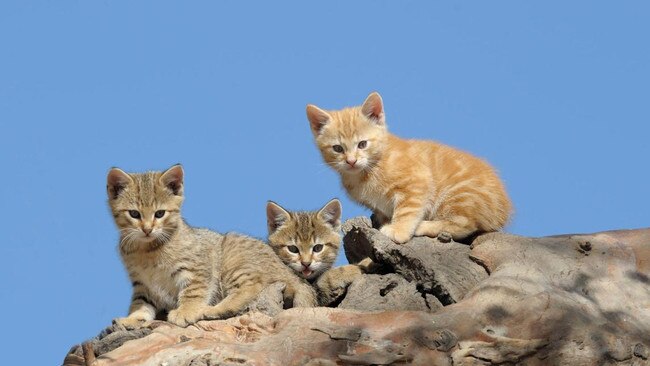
(333, 284)
(130, 322)
(367, 265)
(444, 237)
(185, 315)
(396, 235)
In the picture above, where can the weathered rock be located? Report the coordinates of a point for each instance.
(587, 295)
(565, 300)
(444, 270)
(270, 301)
(385, 292)
(356, 247)
(109, 339)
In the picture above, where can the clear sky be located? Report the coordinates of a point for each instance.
(554, 94)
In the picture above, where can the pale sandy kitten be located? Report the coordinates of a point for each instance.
(308, 242)
(413, 187)
(189, 272)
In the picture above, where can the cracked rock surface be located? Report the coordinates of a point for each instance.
(386, 292)
(563, 300)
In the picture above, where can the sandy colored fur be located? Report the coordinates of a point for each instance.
(332, 284)
(416, 187)
(305, 229)
(192, 273)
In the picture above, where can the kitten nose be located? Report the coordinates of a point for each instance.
(351, 161)
(305, 264)
(147, 230)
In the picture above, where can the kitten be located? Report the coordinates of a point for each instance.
(192, 273)
(308, 243)
(420, 188)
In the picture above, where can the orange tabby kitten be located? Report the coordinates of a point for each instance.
(420, 188)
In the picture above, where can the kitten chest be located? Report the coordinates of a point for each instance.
(157, 278)
(371, 194)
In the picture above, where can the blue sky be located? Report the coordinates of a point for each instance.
(554, 94)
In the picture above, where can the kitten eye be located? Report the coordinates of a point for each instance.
(293, 249)
(338, 148)
(317, 248)
(135, 214)
(362, 144)
(159, 214)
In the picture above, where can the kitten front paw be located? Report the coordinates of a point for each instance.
(131, 322)
(395, 234)
(185, 315)
(444, 237)
(367, 265)
(334, 283)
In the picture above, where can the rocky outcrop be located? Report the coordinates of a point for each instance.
(562, 300)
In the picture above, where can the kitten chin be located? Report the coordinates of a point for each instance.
(306, 241)
(312, 272)
(420, 188)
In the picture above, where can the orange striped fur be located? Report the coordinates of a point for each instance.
(414, 187)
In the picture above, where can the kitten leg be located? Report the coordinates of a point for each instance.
(141, 310)
(459, 227)
(332, 284)
(406, 217)
(301, 295)
(367, 265)
(234, 303)
(192, 302)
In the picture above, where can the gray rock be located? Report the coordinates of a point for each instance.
(385, 292)
(270, 301)
(444, 270)
(562, 300)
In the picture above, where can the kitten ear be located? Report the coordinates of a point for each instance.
(331, 213)
(373, 108)
(276, 216)
(172, 178)
(317, 118)
(116, 181)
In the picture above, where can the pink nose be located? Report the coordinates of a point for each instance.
(305, 264)
(147, 230)
(351, 161)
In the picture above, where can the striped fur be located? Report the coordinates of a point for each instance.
(304, 232)
(420, 188)
(191, 273)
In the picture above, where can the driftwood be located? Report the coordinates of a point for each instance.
(562, 300)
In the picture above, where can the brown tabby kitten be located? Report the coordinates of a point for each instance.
(307, 242)
(413, 187)
(192, 273)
